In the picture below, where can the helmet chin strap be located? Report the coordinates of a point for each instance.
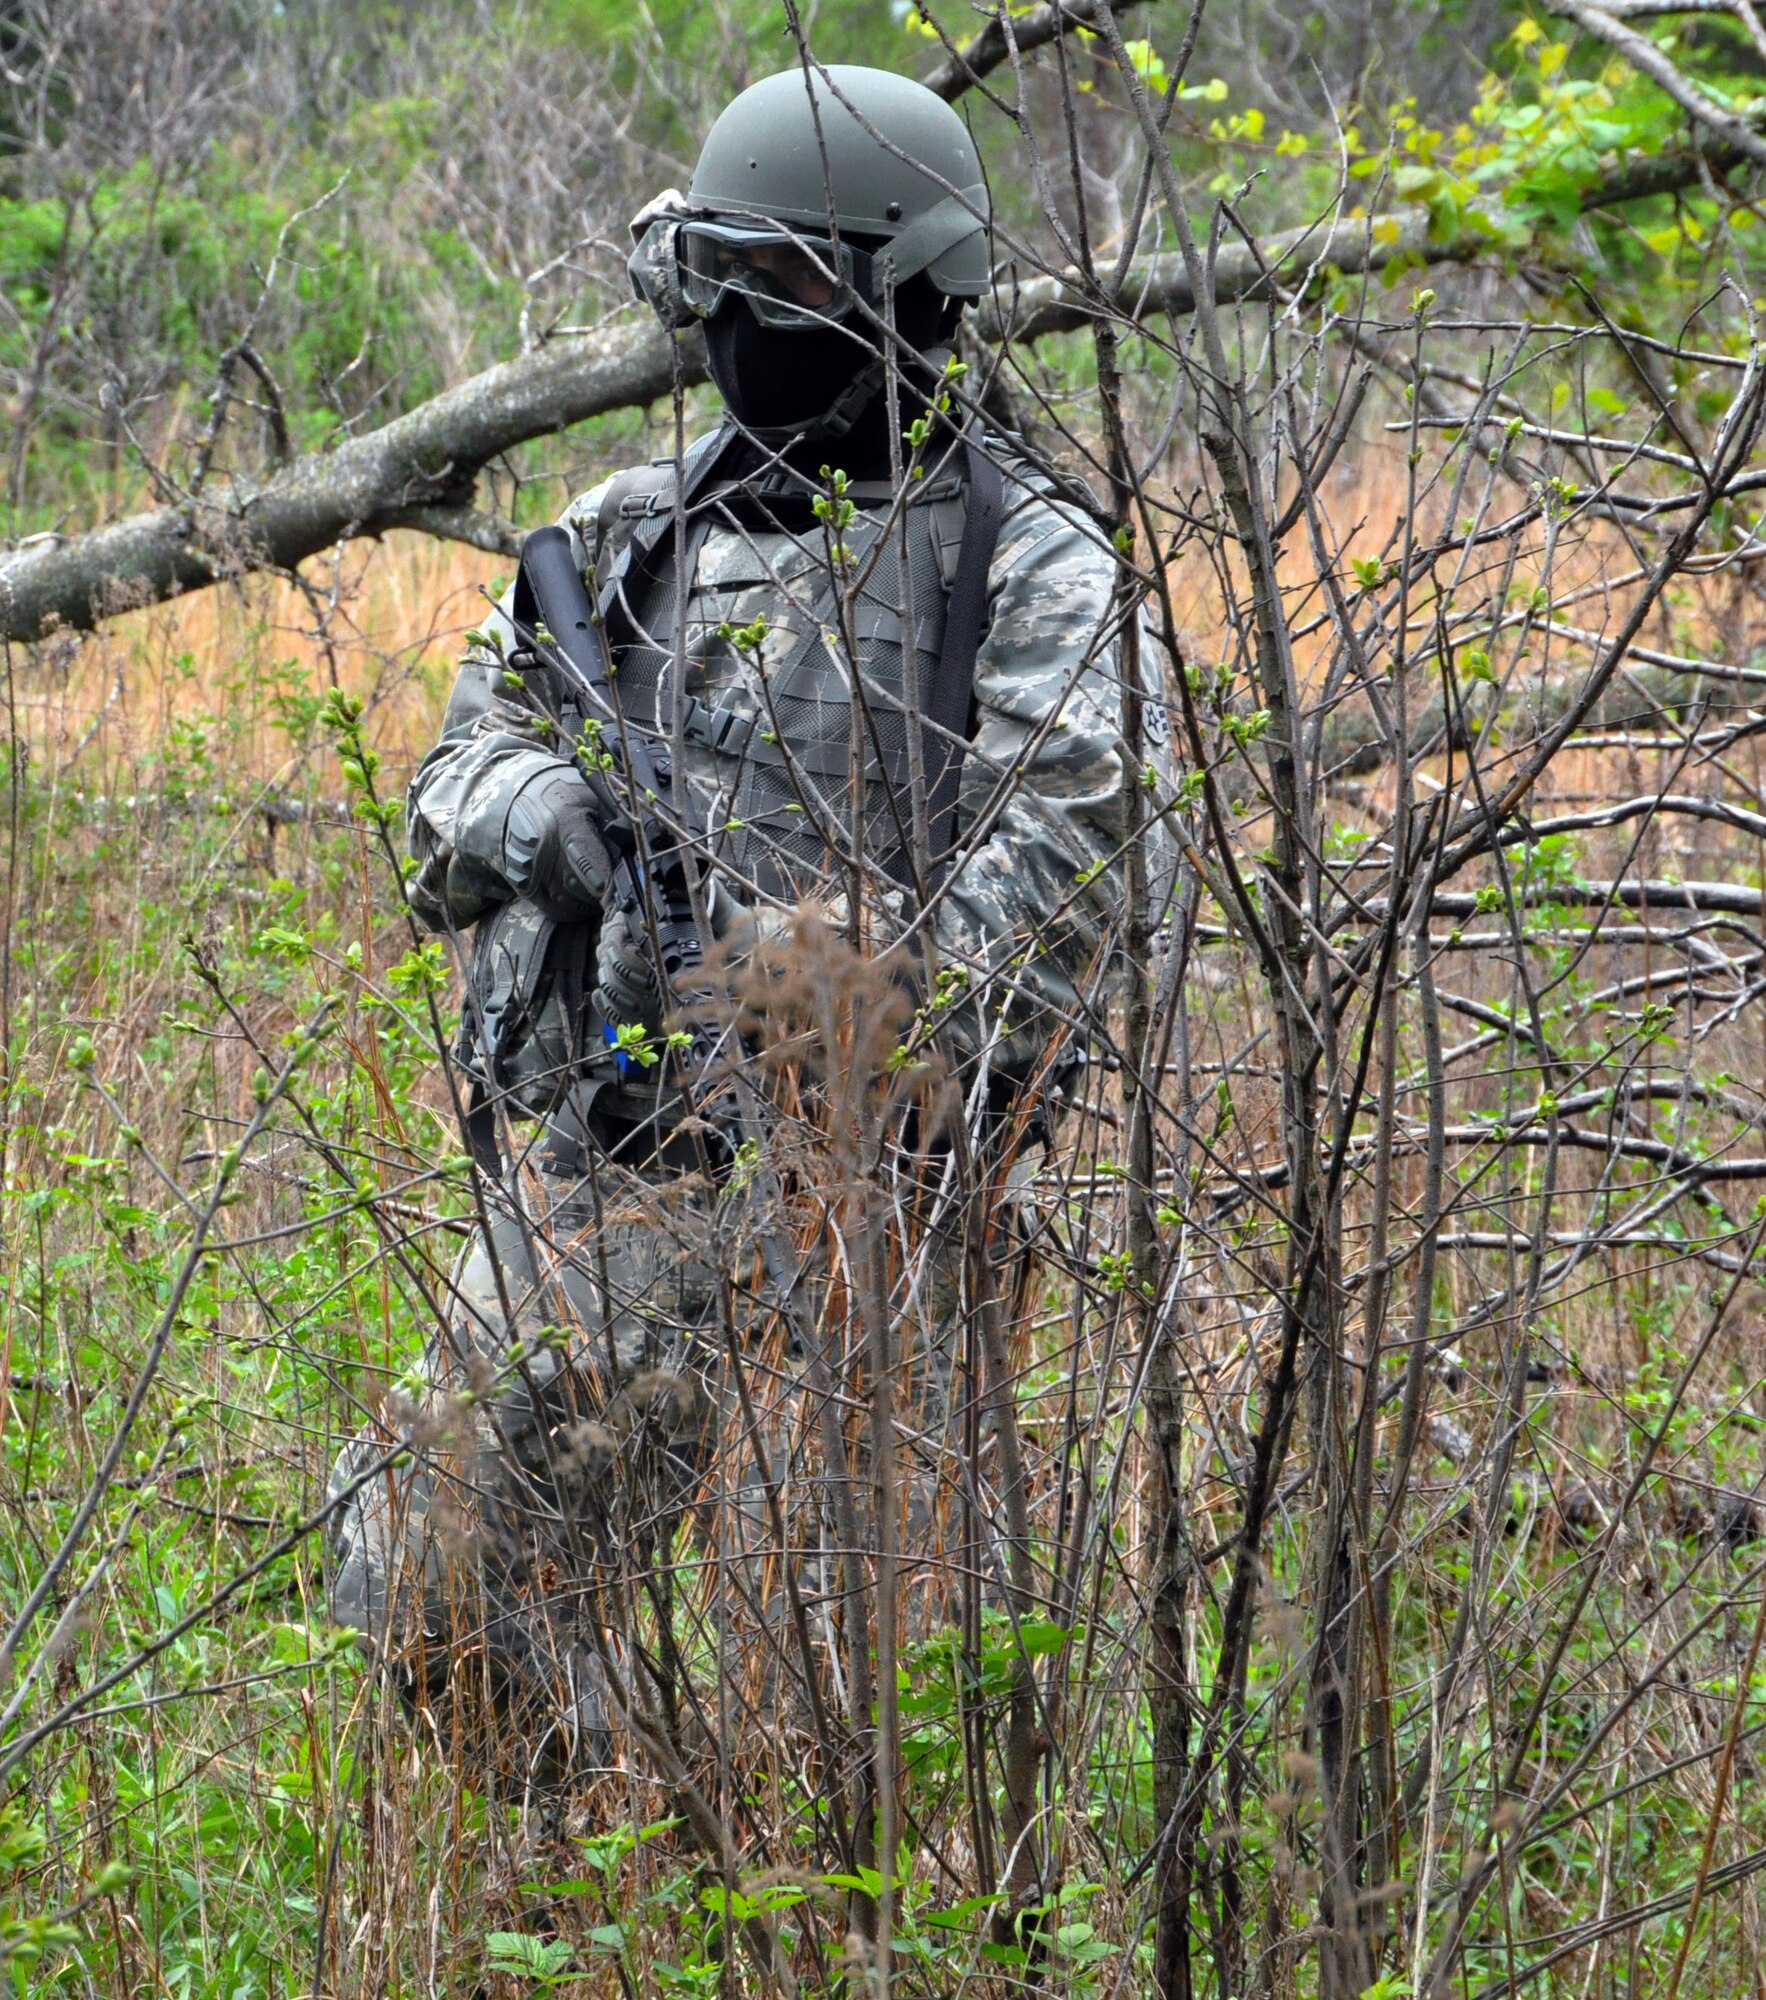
(835, 421)
(847, 408)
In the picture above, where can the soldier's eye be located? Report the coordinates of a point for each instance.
(797, 273)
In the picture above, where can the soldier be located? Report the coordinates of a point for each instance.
(880, 657)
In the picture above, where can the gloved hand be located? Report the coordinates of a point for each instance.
(553, 852)
(627, 989)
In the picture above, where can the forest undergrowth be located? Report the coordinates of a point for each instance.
(204, 925)
(1339, 1569)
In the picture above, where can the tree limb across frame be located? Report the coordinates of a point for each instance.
(420, 471)
(1030, 30)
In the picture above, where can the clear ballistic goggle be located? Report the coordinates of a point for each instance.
(687, 268)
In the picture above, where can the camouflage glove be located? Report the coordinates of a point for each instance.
(628, 990)
(553, 853)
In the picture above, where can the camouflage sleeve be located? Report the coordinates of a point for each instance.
(1033, 912)
(497, 741)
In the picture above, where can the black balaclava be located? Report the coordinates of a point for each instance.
(776, 381)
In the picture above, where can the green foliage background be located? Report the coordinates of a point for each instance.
(426, 162)
(395, 155)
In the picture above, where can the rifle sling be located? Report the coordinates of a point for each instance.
(950, 701)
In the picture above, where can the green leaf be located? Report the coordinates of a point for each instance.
(528, 1957)
(867, 1881)
(1148, 66)
(275, 941)
(1040, 1636)
(957, 1916)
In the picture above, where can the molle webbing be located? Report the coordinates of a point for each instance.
(788, 760)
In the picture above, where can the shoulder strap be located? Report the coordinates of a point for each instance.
(630, 498)
(952, 694)
(482, 1141)
(640, 499)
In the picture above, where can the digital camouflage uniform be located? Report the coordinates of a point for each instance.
(629, 1265)
(571, 1393)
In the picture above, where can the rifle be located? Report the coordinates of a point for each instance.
(554, 615)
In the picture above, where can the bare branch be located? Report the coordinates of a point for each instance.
(989, 49)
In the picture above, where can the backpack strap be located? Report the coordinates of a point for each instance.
(634, 506)
(631, 496)
(637, 504)
(951, 700)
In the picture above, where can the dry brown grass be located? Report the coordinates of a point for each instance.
(394, 613)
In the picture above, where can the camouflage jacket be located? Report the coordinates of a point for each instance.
(1029, 915)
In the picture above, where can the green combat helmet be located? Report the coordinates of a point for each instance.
(818, 197)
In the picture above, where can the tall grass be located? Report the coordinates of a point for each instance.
(196, 902)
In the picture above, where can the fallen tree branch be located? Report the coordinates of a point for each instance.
(471, 525)
(420, 470)
(1349, 246)
(1242, 273)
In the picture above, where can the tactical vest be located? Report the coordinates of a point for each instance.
(807, 751)
(812, 747)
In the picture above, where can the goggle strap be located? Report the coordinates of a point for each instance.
(654, 271)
